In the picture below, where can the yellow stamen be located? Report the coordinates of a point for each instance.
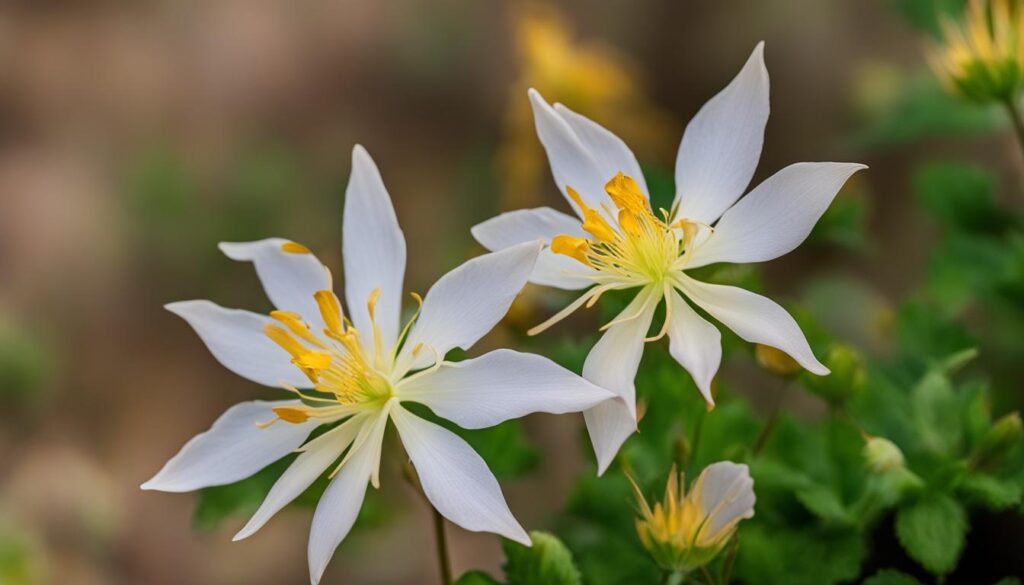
(378, 343)
(330, 310)
(626, 194)
(292, 414)
(295, 248)
(294, 323)
(571, 246)
(281, 337)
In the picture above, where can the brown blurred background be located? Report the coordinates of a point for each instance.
(136, 135)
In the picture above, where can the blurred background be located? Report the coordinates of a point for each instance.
(134, 136)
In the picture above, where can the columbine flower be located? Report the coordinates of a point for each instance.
(361, 369)
(982, 57)
(688, 530)
(624, 244)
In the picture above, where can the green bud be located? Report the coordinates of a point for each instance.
(999, 440)
(846, 380)
(882, 455)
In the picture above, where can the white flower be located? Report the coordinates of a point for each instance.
(624, 244)
(363, 370)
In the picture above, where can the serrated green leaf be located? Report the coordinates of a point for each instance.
(891, 577)
(547, 562)
(937, 413)
(992, 492)
(932, 530)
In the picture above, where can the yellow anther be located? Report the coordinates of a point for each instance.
(626, 194)
(596, 225)
(295, 248)
(292, 414)
(571, 246)
(294, 323)
(281, 337)
(629, 222)
(330, 310)
(313, 361)
(416, 350)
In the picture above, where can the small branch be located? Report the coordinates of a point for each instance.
(773, 421)
(443, 559)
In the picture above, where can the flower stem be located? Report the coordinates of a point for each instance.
(1018, 123)
(441, 538)
(773, 421)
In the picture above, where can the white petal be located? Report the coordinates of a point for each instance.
(585, 163)
(608, 150)
(316, 457)
(339, 506)
(695, 344)
(455, 479)
(468, 302)
(373, 248)
(289, 278)
(542, 223)
(235, 337)
(722, 143)
(525, 225)
(612, 364)
(755, 318)
(776, 216)
(726, 494)
(561, 271)
(499, 386)
(233, 449)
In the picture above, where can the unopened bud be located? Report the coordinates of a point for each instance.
(776, 361)
(847, 378)
(1000, 439)
(882, 455)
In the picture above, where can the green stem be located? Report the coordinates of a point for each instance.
(698, 428)
(773, 421)
(443, 559)
(707, 575)
(729, 558)
(1018, 123)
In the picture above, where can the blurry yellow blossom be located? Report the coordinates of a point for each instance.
(776, 361)
(688, 530)
(882, 455)
(982, 55)
(589, 77)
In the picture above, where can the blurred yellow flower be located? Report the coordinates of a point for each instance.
(982, 55)
(688, 530)
(589, 77)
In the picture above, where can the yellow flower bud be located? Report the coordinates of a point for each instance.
(776, 361)
(980, 57)
(688, 530)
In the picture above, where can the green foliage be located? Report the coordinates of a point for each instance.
(891, 577)
(933, 530)
(476, 578)
(547, 562)
(918, 108)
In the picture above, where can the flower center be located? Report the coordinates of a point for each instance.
(336, 362)
(630, 244)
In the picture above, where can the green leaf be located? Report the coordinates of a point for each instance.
(891, 577)
(477, 578)
(804, 555)
(932, 530)
(237, 499)
(547, 562)
(937, 413)
(824, 503)
(987, 490)
(960, 196)
(1008, 581)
